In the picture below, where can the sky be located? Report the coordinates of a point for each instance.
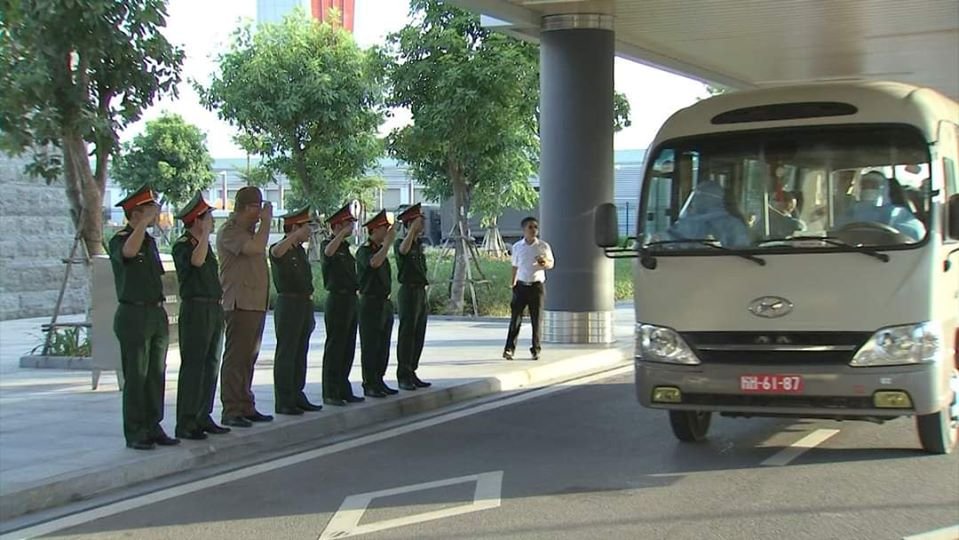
(204, 28)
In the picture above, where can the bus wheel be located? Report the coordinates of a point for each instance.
(939, 431)
(690, 426)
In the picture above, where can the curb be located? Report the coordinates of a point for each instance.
(80, 363)
(290, 432)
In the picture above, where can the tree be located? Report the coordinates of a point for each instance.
(474, 98)
(73, 74)
(171, 156)
(306, 99)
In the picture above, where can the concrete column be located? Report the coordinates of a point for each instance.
(576, 173)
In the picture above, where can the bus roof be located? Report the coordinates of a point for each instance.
(873, 102)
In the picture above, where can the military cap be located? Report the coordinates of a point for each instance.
(248, 195)
(295, 217)
(144, 195)
(381, 219)
(410, 214)
(349, 212)
(194, 209)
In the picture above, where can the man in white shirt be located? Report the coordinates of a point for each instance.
(531, 258)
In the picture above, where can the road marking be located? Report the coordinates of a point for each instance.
(80, 518)
(798, 448)
(346, 521)
(946, 533)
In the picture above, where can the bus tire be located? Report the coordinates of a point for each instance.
(690, 426)
(939, 431)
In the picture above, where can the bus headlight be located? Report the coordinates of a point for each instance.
(899, 345)
(658, 344)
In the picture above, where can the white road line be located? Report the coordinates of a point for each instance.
(346, 521)
(191, 487)
(796, 449)
(946, 533)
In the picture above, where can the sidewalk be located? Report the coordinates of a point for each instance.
(60, 441)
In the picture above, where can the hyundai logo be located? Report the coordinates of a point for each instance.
(770, 307)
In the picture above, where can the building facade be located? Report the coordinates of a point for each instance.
(272, 11)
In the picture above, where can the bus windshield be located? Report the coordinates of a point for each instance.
(795, 189)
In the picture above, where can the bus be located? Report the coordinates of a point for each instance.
(798, 256)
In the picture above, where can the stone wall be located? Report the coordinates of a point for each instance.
(36, 233)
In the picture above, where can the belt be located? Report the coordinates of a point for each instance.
(376, 296)
(204, 300)
(301, 296)
(155, 303)
(529, 283)
(344, 292)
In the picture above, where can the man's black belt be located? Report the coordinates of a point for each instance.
(343, 291)
(154, 303)
(301, 296)
(529, 283)
(376, 296)
(417, 285)
(204, 300)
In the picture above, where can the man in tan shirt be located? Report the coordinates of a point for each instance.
(241, 248)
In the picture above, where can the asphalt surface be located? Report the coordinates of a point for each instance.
(583, 462)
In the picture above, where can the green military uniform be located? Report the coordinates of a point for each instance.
(294, 323)
(340, 318)
(411, 273)
(376, 315)
(200, 330)
(141, 327)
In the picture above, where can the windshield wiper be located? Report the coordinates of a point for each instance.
(832, 241)
(709, 243)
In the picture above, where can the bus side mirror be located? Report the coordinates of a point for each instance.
(606, 226)
(953, 210)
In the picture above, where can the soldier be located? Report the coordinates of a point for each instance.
(241, 248)
(200, 324)
(411, 272)
(293, 314)
(140, 322)
(376, 309)
(340, 312)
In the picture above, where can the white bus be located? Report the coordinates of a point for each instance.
(799, 256)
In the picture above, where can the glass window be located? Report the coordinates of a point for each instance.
(392, 198)
(789, 189)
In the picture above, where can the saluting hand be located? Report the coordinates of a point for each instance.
(390, 234)
(302, 234)
(266, 213)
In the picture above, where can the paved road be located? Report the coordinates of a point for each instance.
(582, 461)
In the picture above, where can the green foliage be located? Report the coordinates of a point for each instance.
(473, 95)
(68, 342)
(72, 74)
(308, 100)
(171, 155)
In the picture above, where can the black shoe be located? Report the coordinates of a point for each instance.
(163, 439)
(141, 445)
(309, 407)
(258, 417)
(421, 384)
(374, 392)
(387, 390)
(192, 434)
(235, 421)
(334, 402)
(354, 399)
(213, 429)
(535, 354)
(292, 411)
(406, 384)
(508, 355)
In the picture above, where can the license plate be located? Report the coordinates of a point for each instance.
(770, 384)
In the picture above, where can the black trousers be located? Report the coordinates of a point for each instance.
(412, 332)
(294, 322)
(341, 322)
(376, 329)
(525, 296)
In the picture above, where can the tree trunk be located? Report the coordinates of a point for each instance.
(461, 235)
(83, 192)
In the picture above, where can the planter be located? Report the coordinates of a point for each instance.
(57, 362)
